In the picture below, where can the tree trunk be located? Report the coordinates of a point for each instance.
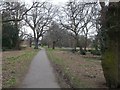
(17, 40)
(111, 60)
(85, 42)
(80, 47)
(53, 47)
(75, 48)
(17, 46)
(36, 44)
(48, 46)
(111, 47)
(30, 42)
(76, 42)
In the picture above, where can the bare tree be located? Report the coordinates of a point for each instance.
(39, 19)
(13, 13)
(75, 13)
(12, 8)
(90, 20)
(57, 37)
(55, 34)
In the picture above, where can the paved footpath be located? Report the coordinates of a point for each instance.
(40, 74)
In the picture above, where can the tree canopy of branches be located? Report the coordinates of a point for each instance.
(12, 15)
(57, 37)
(13, 8)
(39, 19)
(55, 34)
(77, 16)
(11, 11)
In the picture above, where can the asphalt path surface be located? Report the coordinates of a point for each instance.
(40, 74)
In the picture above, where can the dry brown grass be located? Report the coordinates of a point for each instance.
(83, 72)
(14, 66)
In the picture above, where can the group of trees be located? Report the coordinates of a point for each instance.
(79, 19)
(107, 24)
(74, 19)
(57, 36)
(10, 24)
(69, 26)
(12, 15)
(38, 17)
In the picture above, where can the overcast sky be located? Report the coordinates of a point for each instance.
(60, 2)
(55, 2)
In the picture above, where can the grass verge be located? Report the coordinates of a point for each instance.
(63, 71)
(77, 71)
(14, 67)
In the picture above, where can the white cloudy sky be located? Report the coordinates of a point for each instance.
(58, 2)
(55, 2)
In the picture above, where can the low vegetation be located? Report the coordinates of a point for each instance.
(15, 65)
(76, 70)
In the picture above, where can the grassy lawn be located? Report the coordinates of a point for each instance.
(14, 66)
(77, 71)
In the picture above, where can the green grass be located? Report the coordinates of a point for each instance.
(15, 67)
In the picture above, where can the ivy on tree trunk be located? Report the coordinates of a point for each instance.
(110, 33)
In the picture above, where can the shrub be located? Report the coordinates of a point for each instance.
(89, 50)
(82, 52)
(73, 50)
(95, 52)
